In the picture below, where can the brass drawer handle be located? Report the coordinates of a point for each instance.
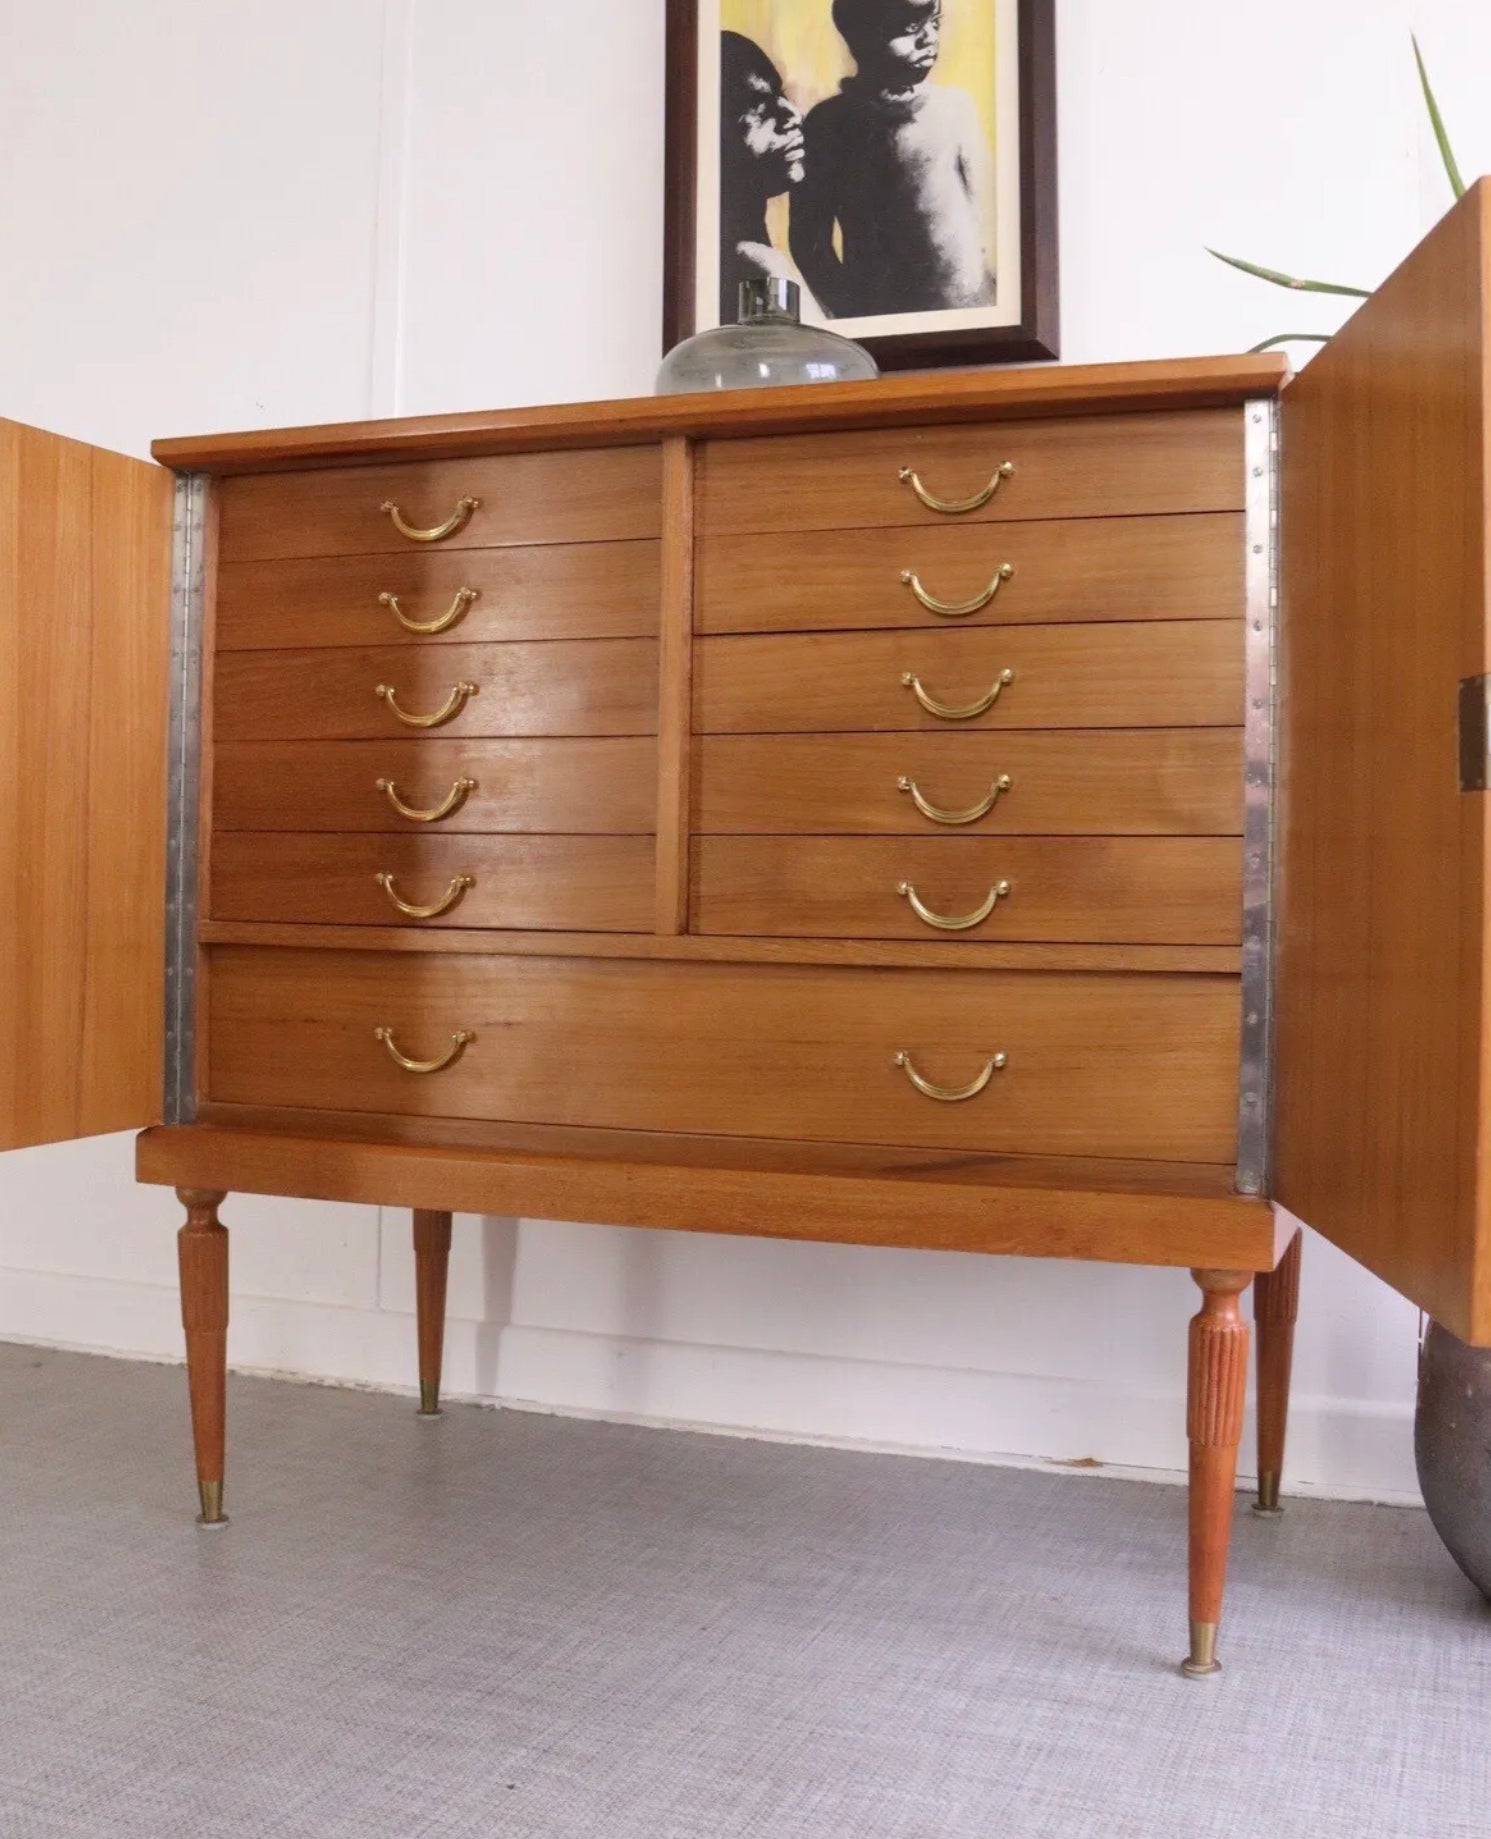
(950, 1095)
(957, 609)
(456, 521)
(451, 898)
(949, 712)
(459, 1042)
(945, 922)
(448, 806)
(938, 815)
(957, 507)
(454, 703)
(427, 629)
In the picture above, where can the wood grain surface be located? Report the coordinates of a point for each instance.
(1099, 466)
(85, 542)
(1384, 1105)
(587, 496)
(1117, 890)
(1161, 674)
(956, 396)
(578, 787)
(1168, 1213)
(1110, 782)
(1100, 1066)
(1065, 570)
(543, 591)
(552, 687)
(569, 883)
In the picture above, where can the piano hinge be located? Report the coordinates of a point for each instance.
(1475, 734)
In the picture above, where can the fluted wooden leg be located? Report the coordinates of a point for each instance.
(1218, 1394)
(202, 1248)
(1275, 1311)
(431, 1269)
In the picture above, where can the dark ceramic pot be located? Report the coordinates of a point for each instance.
(1452, 1444)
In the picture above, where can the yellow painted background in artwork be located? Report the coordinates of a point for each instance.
(799, 38)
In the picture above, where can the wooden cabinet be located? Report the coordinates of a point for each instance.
(854, 813)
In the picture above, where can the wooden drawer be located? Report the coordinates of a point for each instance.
(582, 686)
(1113, 568)
(555, 591)
(1139, 1065)
(579, 787)
(1098, 466)
(1180, 674)
(540, 883)
(1081, 890)
(1109, 782)
(580, 497)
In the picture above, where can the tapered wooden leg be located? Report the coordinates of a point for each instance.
(1275, 1311)
(202, 1247)
(431, 1269)
(1218, 1394)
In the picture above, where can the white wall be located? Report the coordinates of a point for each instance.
(226, 216)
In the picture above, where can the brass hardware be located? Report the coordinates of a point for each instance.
(456, 521)
(212, 1515)
(451, 897)
(1267, 1504)
(948, 923)
(426, 629)
(1475, 734)
(957, 609)
(950, 1095)
(454, 703)
(938, 815)
(1202, 1661)
(459, 1042)
(429, 1399)
(947, 712)
(448, 806)
(957, 507)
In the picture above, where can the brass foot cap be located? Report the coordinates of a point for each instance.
(1199, 1669)
(1202, 1661)
(1267, 1505)
(426, 1415)
(216, 1525)
(212, 1515)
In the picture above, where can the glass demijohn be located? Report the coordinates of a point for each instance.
(769, 346)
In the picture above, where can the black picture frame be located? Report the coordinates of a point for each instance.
(1035, 337)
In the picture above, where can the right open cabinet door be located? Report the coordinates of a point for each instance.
(1381, 932)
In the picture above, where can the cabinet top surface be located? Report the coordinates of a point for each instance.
(944, 396)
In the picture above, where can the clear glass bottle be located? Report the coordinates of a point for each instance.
(769, 346)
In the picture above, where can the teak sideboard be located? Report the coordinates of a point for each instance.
(1027, 812)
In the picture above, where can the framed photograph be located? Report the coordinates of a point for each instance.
(896, 158)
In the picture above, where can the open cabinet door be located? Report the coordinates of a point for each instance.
(85, 565)
(1382, 1095)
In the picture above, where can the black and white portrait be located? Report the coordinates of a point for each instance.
(891, 156)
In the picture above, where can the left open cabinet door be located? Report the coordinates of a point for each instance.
(85, 578)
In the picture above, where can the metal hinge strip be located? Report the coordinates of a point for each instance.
(1475, 734)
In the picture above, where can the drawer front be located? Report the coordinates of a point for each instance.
(1142, 1066)
(1159, 675)
(1159, 782)
(577, 787)
(582, 686)
(1113, 568)
(1079, 890)
(1100, 466)
(537, 883)
(557, 591)
(582, 497)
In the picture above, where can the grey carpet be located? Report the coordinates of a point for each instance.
(523, 1626)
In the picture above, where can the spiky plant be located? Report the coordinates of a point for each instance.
(1279, 279)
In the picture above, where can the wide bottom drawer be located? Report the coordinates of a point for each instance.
(1102, 1065)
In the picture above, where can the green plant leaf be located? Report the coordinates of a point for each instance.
(1446, 152)
(1291, 338)
(1291, 281)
